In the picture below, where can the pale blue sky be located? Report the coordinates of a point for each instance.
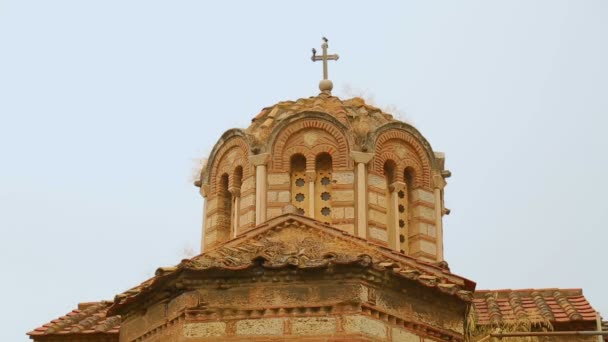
(105, 105)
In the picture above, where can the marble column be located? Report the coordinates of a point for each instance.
(361, 159)
(236, 210)
(204, 192)
(438, 186)
(260, 161)
(311, 177)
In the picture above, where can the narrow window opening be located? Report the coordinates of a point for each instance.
(323, 188)
(299, 188)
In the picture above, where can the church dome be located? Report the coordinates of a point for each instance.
(359, 117)
(344, 163)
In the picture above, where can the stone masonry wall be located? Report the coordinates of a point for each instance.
(378, 208)
(277, 306)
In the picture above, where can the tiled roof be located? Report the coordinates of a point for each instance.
(354, 113)
(89, 318)
(549, 306)
(312, 245)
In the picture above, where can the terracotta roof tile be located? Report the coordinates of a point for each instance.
(257, 247)
(498, 307)
(89, 318)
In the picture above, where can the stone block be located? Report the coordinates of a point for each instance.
(247, 218)
(382, 201)
(206, 329)
(365, 325)
(378, 234)
(211, 204)
(278, 179)
(337, 213)
(313, 326)
(431, 230)
(372, 197)
(400, 335)
(347, 227)
(262, 326)
(273, 212)
(423, 246)
(272, 196)
(343, 195)
(247, 201)
(376, 181)
(346, 177)
(424, 212)
(422, 228)
(428, 247)
(349, 212)
(248, 184)
(424, 196)
(210, 237)
(377, 216)
(284, 197)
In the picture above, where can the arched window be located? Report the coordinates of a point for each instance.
(299, 185)
(224, 207)
(406, 208)
(235, 191)
(323, 182)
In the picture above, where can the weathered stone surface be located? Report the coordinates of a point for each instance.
(205, 329)
(344, 177)
(278, 179)
(423, 195)
(337, 213)
(378, 234)
(365, 325)
(262, 326)
(273, 196)
(424, 212)
(376, 181)
(400, 335)
(349, 212)
(274, 212)
(284, 197)
(313, 326)
(247, 201)
(343, 196)
(377, 216)
(347, 227)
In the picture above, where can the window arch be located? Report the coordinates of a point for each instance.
(406, 208)
(299, 183)
(323, 187)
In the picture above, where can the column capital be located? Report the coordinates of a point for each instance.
(439, 181)
(396, 186)
(311, 175)
(259, 159)
(361, 157)
(205, 190)
(234, 191)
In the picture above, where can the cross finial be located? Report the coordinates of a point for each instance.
(325, 85)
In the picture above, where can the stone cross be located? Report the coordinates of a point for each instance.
(325, 85)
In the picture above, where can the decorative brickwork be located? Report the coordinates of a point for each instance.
(310, 138)
(231, 154)
(407, 152)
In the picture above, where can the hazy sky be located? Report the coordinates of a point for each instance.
(106, 105)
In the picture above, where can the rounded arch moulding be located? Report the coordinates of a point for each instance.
(310, 125)
(231, 151)
(421, 159)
